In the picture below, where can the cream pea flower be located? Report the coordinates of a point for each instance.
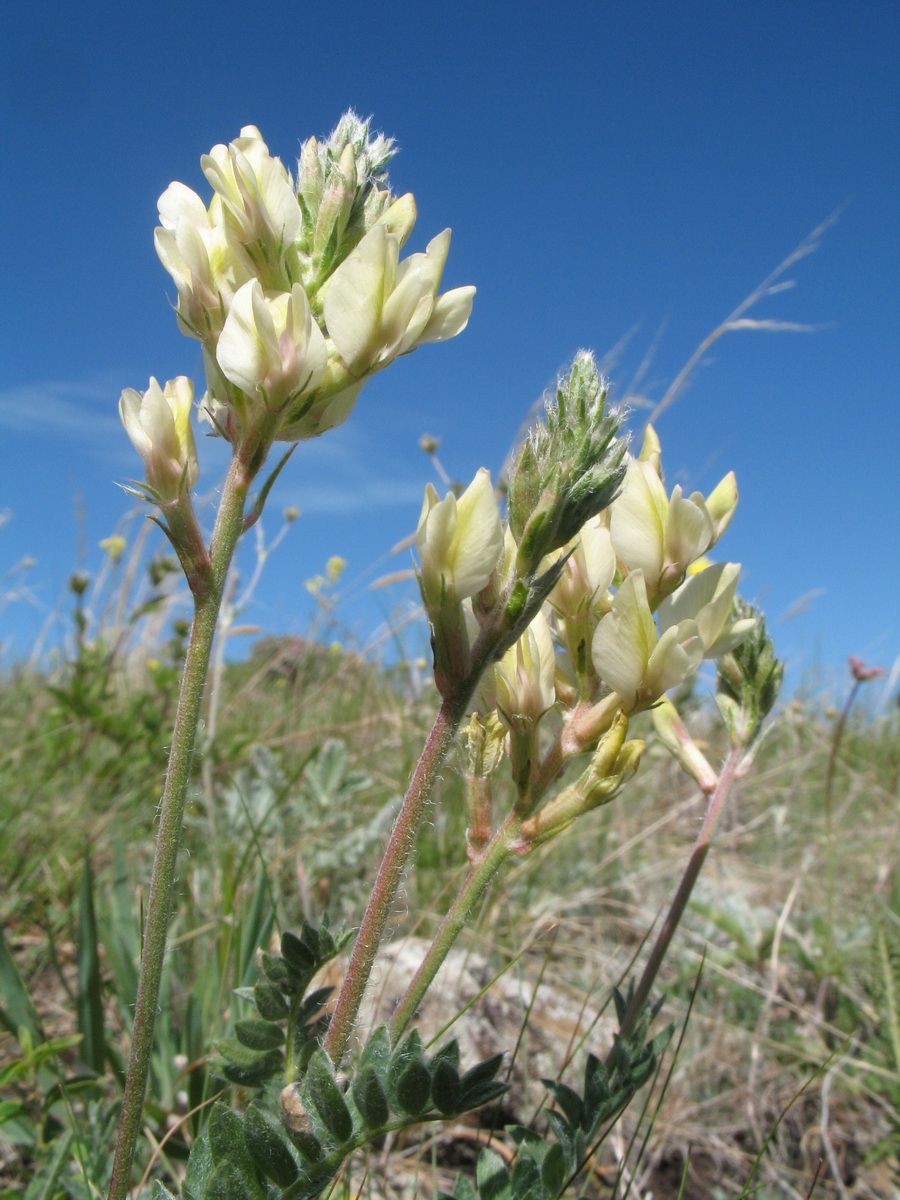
(377, 307)
(524, 678)
(256, 194)
(631, 657)
(270, 346)
(206, 265)
(588, 572)
(662, 535)
(707, 598)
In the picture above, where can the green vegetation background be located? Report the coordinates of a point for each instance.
(793, 1042)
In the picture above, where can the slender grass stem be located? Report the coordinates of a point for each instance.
(227, 532)
(829, 963)
(679, 903)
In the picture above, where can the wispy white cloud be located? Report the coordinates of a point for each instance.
(352, 469)
(357, 495)
(85, 409)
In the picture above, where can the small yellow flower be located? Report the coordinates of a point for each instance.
(114, 547)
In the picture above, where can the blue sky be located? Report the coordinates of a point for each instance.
(610, 171)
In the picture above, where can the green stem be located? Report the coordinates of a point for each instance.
(455, 920)
(225, 537)
(390, 872)
(679, 903)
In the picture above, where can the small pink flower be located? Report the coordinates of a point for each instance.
(860, 671)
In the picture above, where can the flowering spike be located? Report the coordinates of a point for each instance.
(343, 190)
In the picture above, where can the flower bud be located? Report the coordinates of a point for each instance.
(651, 452)
(337, 202)
(748, 680)
(860, 671)
(310, 177)
(524, 678)
(721, 503)
(158, 422)
(114, 547)
(484, 738)
(681, 746)
(343, 191)
(459, 542)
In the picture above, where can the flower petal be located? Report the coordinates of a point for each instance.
(638, 520)
(625, 639)
(355, 300)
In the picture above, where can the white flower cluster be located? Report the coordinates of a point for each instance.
(249, 273)
(296, 288)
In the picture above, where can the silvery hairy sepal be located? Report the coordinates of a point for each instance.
(569, 468)
(343, 190)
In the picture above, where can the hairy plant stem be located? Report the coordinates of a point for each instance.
(476, 883)
(715, 805)
(227, 532)
(390, 872)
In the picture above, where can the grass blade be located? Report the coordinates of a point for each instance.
(89, 1001)
(16, 1009)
